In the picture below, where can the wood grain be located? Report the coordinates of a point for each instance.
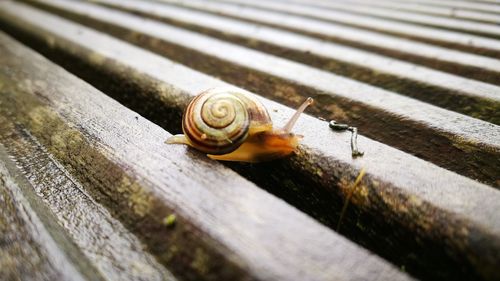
(378, 113)
(412, 212)
(225, 228)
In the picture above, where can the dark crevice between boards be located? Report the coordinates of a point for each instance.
(380, 232)
(418, 139)
(461, 47)
(476, 107)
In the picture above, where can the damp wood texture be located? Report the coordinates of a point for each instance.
(90, 90)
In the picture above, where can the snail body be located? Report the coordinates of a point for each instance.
(228, 124)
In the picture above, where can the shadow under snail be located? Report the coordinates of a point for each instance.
(231, 125)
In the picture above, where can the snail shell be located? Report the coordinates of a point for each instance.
(219, 120)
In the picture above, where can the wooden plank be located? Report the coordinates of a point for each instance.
(473, 6)
(483, 29)
(225, 227)
(112, 251)
(432, 222)
(452, 12)
(335, 26)
(357, 103)
(28, 250)
(490, 1)
(380, 71)
(452, 61)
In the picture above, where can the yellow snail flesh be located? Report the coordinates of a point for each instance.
(231, 125)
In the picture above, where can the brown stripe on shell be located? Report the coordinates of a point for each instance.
(258, 113)
(208, 145)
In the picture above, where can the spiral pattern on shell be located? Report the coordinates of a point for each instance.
(216, 122)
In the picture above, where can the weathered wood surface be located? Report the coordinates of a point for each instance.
(467, 5)
(105, 245)
(348, 29)
(433, 222)
(448, 12)
(395, 46)
(378, 113)
(485, 29)
(28, 250)
(225, 227)
(353, 13)
(449, 91)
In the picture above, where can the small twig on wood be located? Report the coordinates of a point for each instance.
(349, 195)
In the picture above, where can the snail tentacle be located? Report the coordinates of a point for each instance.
(178, 139)
(289, 126)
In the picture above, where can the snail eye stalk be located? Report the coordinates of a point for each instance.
(289, 126)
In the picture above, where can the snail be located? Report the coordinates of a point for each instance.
(228, 124)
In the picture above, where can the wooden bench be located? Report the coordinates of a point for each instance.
(89, 91)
